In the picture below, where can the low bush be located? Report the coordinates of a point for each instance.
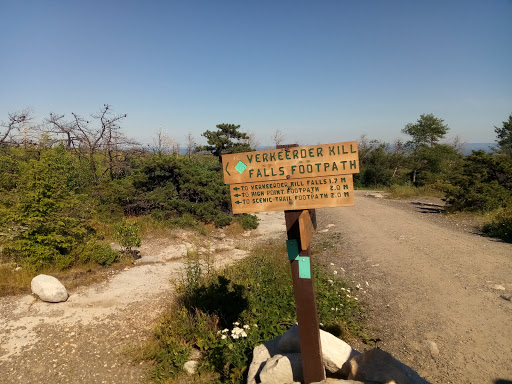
(247, 221)
(226, 314)
(127, 235)
(500, 226)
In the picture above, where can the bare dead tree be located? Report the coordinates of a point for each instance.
(191, 144)
(106, 136)
(459, 144)
(252, 140)
(163, 143)
(278, 137)
(57, 125)
(17, 122)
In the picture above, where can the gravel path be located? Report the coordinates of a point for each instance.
(438, 294)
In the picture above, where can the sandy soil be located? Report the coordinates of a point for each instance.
(438, 294)
(84, 339)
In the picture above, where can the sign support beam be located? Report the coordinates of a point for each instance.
(305, 302)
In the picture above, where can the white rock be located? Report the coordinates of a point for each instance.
(335, 352)
(261, 353)
(498, 287)
(282, 369)
(48, 288)
(190, 367)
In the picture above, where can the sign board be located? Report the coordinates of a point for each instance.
(306, 229)
(284, 195)
(291, 163)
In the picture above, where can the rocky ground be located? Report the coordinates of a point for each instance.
(437, 293)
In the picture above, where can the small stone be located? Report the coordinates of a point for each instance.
(190, 367)
(498, 287)
(432, 347)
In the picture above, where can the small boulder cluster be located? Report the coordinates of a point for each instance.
(278, 361)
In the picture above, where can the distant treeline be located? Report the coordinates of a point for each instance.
(65, 182)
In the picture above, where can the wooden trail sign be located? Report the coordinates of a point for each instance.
(283, 195)
(296, 180)
(291, 163)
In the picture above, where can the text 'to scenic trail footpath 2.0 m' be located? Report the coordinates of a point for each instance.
(292, 178)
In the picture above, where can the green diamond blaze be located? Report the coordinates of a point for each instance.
(240, 167)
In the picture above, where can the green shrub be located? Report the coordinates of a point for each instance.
(247, 221)
(500, 226)
(205, 317)
(127, 235)
(222, 219)
(96, 252)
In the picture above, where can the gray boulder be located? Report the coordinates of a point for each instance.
(282, 369)
(261, 353)
(49, 289)
(335, 352)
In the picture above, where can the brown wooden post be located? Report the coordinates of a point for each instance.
(305, 303)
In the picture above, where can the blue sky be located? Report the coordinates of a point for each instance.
(319, 71)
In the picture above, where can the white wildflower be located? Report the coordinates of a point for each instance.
(335, 272)
(332, 263)
(223, 337)
(246, 326)
(225, 330)
(330, 281)
(236, 323)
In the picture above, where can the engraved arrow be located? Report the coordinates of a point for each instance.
(238, 202)
(237, 195)
(236, 188)
(227, 169)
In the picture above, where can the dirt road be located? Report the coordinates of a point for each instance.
(438, 294)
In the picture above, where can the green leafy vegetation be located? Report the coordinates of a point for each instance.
(480, 182)
(127, 234)
(205, 319)
(226, 139)
(69, 187)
